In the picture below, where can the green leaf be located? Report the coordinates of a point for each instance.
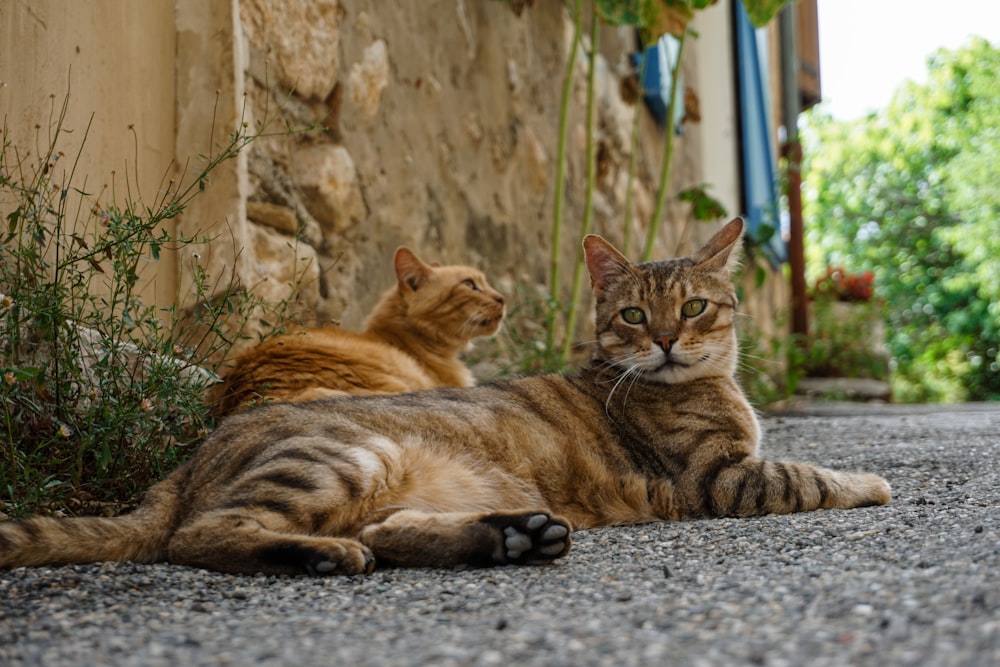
(13, 218)
(765, 233)
(762, 11)
(704, 206)
(23, 374)
(621, 12)
(654, 18)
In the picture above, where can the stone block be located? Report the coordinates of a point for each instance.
(329, 182)
(299, 38)
(368, 78)
(278, 217)
(287, 268)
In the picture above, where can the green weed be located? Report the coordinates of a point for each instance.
(101, 392)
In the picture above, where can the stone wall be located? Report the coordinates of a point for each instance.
(433, 125)
(441, 134)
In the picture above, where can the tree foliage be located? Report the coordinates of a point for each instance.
(910, 194)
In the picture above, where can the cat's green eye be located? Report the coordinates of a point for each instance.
(634, 315)
(693, 308)
(471, 284)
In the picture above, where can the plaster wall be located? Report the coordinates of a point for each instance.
(112, 63)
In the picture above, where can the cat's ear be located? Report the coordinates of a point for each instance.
(721, 253)
(410, 271)
(604, 262)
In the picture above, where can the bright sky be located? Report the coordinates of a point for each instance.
(869, 47)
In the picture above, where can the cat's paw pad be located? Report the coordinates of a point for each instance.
(358, 561)
(531, 538)
(321, 557)
(350, 558)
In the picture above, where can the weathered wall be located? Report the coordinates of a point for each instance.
(440, 122)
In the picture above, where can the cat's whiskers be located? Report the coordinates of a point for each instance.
(717, 366)
(745, 359)
(583, 343)
(628, 367)
(636, 376)
(477, 324)
(761, 367)
(635, 371)
(472, 324)
(714, 360)
(512, 338)
(616, 362)
(468, 329)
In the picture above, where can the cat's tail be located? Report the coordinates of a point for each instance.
(754, 487)
(140, 536)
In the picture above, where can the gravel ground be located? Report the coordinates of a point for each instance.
(913, 583)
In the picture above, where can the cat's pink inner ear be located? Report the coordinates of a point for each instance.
(722, 250)
(604, 262)
(410, 271)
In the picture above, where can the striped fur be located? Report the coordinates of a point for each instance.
(411, 341)
(654, 428)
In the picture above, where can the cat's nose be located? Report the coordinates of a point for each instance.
(498, 297)
(666, 340)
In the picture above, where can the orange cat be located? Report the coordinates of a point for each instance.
(411, 341)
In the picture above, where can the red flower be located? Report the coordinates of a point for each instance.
(843, 286)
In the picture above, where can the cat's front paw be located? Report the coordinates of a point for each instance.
(877, 490)
(319, 556)
(529, 538)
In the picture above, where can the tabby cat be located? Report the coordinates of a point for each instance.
(411, 341)
(654, 427)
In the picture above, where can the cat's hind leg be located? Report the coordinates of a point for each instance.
(239, 543)
(428, 539)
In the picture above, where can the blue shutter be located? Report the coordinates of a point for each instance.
(659, 59)
(760, 186)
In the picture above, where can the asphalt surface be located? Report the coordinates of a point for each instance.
(914, 583)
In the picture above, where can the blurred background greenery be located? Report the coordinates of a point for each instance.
(910, 194)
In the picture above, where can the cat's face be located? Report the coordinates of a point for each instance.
(668, 321)
(454, 301)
